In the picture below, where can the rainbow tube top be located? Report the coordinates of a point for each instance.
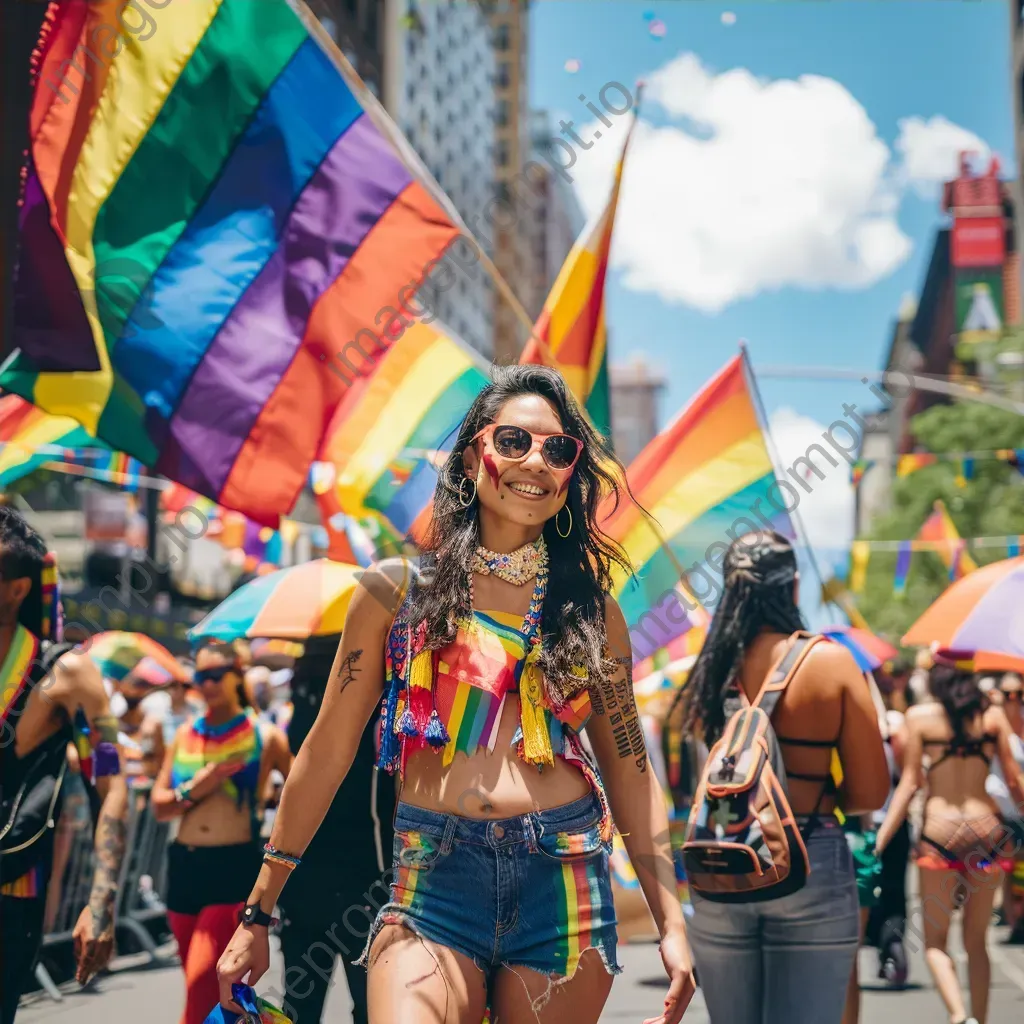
(452, 700)
(205, 744)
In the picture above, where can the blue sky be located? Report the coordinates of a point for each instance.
(896, 58)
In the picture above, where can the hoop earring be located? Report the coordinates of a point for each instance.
(463, 501)
(568, 529)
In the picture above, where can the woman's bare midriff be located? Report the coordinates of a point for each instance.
(216, 821)
(491, 785)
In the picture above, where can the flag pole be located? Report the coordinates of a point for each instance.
(776, 464)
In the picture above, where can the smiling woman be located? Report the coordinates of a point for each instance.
(504, 647)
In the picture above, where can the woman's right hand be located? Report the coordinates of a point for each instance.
(210, 776)
(248, 953)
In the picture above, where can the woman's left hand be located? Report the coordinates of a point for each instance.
(675, 955)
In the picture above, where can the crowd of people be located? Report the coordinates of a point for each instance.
(492, 678)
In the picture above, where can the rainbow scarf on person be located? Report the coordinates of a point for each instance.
(204, 744)
(17, 668)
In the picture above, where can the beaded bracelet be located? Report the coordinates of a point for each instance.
(275, 856)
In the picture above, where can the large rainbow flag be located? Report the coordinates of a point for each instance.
(572, 325)
(214, 209)
(31, 438)
(705, 478)
(392, 431)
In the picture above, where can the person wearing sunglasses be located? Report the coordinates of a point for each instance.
(1011, 689)
(212, 780)
(505, 647)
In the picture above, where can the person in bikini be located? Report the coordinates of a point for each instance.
(505, 645)
(960, 854)
(212, 779)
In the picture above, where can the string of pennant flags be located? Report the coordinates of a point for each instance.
(907, 464)
(937, 535)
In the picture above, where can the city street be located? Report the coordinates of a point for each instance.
(156, 995)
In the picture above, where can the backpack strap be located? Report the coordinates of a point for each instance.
(776, 681)
(781, 676)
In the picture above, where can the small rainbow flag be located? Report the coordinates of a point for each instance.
(31, 438)
(907, 464)
(572, 323)
(902, 568)
(858, 469)
(940, 530)
(707, 474)
(209, 220)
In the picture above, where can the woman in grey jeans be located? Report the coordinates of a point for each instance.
(786, 961)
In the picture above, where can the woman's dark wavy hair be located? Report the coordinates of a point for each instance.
(760, 594)
(573, 626)
(960, 695)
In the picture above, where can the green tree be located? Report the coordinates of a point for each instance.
(991, 504)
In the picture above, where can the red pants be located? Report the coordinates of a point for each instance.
(201, 940)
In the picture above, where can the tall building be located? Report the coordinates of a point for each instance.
(635, 388)
(513, 253)
(358, 28)
(438, 87)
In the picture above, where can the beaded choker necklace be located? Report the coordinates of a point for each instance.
(517, 567)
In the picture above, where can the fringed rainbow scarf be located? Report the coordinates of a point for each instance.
(451, 700)
(17, 668)
(205, 744)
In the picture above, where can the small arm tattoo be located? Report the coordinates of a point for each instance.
(348, 671)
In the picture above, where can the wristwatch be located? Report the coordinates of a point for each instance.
(251, 914)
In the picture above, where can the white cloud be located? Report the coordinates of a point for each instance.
(752, 186)
(930, 150)
(827, 509)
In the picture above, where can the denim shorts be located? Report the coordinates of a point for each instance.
(788, 959)
(532, 891)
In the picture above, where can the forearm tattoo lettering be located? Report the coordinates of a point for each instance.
(348, 671)
(614, 697)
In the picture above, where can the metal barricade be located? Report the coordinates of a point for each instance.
(141, 886)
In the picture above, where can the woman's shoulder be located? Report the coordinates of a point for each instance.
(381, 590)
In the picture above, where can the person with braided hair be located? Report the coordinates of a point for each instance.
(786, 959)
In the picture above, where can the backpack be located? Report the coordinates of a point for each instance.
(29, 809)
(742, 843)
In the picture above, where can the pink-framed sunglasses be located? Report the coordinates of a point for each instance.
(560, 451)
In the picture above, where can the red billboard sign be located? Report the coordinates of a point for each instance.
(979, 242)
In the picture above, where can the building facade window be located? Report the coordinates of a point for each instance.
(501, 113)
(504, 78)
(501, 38)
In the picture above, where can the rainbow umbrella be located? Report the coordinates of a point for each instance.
(310, 599)
(981, 612)
(869, 651)
(117, 654)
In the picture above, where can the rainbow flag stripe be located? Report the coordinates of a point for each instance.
(407, 891)
(16, 669)
(706, 474)
(28, 887)
(226, 138)
(392, 430)
(31, 438)
(581, 922)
